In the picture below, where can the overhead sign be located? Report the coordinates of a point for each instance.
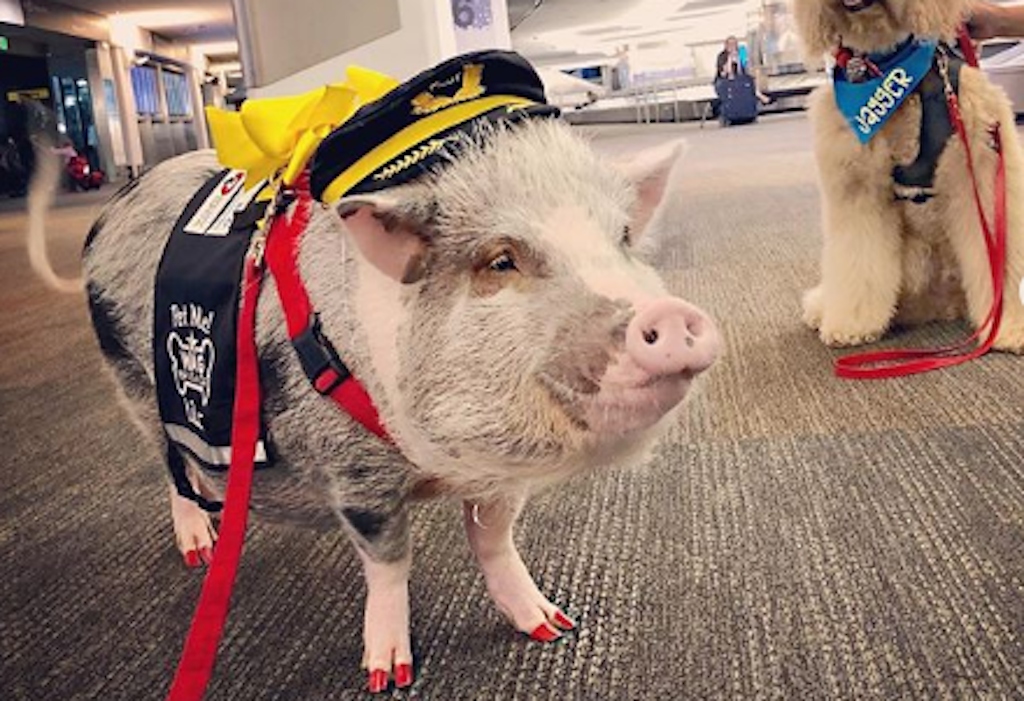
(29, 94)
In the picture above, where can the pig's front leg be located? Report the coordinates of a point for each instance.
(489, 529)
(386, 645)
(380, 531)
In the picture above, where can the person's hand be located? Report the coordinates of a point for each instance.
(986, 22)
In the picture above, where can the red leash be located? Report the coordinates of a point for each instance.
(280, 246)
(901, 363)
(966, 44)
(200, 651)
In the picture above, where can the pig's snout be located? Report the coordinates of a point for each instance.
(669, 337)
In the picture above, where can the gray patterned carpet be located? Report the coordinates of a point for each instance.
(798, 537)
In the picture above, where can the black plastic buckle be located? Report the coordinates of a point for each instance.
(317, 356)
(283, 199)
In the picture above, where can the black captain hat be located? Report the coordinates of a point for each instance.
(403, 134)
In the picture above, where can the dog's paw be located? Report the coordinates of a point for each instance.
(1010, 340)
(814, 308)
(847, 337)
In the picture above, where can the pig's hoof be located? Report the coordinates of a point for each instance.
(197, 558)
(387, 648)
(552, 628)
(403, 675)
(193, 531)
(377, 681)
(516, 595)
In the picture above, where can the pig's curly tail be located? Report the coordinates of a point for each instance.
(41, 192)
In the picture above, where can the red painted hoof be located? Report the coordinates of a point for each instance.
(543, 633)
(403, 675)
(378, 681)
(192, 559)
(206, 555)
(563, 621)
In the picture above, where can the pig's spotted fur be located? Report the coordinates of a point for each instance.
(455, 369)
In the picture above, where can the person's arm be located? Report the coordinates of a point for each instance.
(989, 21)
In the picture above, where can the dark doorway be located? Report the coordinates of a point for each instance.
(21, 77)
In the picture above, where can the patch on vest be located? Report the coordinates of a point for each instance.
(196, 315)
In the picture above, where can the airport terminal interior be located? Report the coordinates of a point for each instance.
(793, 535)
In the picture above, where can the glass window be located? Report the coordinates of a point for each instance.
(176, 90)
(147, 100)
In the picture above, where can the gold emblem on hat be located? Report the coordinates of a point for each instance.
(471, 88)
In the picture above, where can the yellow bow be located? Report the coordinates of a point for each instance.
(279, 134)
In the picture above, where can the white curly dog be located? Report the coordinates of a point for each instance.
(903, 242)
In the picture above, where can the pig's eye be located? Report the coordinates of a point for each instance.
(502, 263)
(625, 241)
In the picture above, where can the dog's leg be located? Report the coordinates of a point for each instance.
(489, 529)
(1011, 333)
(814, 307)
(967, 239)
(982, 106)
(861, 266)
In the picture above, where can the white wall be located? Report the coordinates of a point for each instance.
(426, 37)
(11, 12)
(492, 34)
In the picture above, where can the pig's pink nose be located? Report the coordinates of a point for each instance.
(669, 336)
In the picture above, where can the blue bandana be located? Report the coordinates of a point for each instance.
(868, 106)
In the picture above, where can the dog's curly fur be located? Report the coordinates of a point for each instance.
(885, 261)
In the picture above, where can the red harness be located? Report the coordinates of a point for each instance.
(279, 250)
(325, 370)
(900, 363)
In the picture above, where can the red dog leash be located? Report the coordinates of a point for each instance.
(279, 250)
(901, 363)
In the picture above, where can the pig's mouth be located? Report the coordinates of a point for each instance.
(858, 5)
(626, 399)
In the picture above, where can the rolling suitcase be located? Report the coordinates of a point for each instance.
(739, 101)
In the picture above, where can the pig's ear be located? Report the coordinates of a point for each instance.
(655, 175)
(389, 232)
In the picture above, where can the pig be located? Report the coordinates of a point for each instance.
(500, 314)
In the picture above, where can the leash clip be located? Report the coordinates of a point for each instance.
(947, 82)
(952, 101)
(995, 138)
(258, 248)
(279, 203)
